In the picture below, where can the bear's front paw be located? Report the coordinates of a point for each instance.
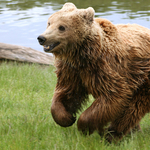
(113, 136)
(85, 126)
(61, 116)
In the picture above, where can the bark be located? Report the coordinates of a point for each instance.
(24, 54)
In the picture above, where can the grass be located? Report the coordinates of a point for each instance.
(25, 119)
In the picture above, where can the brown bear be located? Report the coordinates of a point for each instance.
(110, 62)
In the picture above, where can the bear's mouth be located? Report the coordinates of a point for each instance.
(49, 48)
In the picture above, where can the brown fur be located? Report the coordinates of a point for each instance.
(111, 62)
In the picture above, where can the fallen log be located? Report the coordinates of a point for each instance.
(24, 54)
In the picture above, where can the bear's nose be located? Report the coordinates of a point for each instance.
(41, 39)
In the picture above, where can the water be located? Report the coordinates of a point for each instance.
(21, 21)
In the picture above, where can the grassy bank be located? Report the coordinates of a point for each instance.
(26, 123)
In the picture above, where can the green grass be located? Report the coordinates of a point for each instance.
(25, 119)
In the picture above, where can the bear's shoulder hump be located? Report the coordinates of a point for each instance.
(107, 26)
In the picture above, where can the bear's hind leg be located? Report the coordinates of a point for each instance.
(139, 106)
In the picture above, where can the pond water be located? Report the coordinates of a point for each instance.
(21, 21)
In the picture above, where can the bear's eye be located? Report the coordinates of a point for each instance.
(61, 28)
(49, 24)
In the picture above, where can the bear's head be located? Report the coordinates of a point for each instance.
(66, 27)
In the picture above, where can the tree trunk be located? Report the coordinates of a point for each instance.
(24, 54)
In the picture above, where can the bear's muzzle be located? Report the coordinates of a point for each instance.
(41, 39)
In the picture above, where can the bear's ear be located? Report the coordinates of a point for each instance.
(69, 7)
(88, 14)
